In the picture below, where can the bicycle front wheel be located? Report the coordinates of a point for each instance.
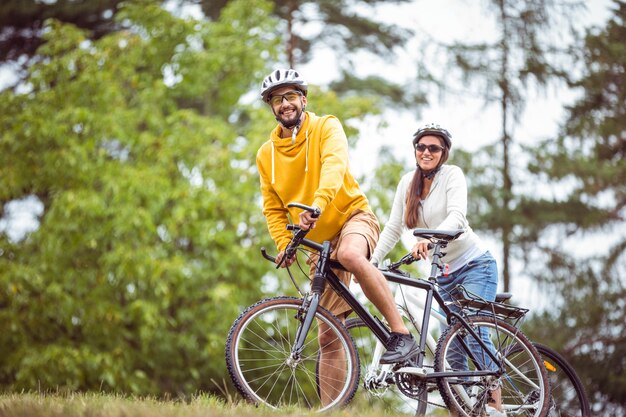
(568, 397)
(523, 387)
(265, 370)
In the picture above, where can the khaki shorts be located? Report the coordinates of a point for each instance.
(363, 223)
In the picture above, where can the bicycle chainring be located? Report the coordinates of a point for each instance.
(411, 386)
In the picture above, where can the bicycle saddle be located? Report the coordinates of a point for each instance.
(503, 296)
(446, 235)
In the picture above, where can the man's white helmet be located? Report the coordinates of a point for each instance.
(282, 77)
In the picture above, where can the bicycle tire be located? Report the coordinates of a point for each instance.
(258, 350)
(524, 384)
(568, 395)
(392, 398)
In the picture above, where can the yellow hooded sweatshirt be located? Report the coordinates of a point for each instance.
(312, 171)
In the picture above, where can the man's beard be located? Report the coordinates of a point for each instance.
(291, 122)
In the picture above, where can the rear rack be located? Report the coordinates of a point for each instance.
(474, 304)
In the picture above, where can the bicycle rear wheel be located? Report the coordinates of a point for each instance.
(568, 397)
(524, 385)
(383, 391)
(263, 369)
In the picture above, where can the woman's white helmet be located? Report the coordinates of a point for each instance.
(282, 77)
(433, 129)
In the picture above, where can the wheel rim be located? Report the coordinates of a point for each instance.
(265, 366)
(521, 385)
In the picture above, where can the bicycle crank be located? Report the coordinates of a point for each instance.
(410, 385)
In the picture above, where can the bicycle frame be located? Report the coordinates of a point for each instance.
(324, 274)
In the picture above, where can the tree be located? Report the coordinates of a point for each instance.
(148, 203)
(586, 166)
(341, 27)
(141, 149)
(22, 24)
(503, 70)
(344, 28)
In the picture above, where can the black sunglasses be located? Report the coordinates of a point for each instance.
(291, 96)
(420, 147)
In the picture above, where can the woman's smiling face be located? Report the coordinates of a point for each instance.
(426, 159)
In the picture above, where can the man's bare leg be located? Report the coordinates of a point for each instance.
(332, 365)
(353, 256)
(496, 396)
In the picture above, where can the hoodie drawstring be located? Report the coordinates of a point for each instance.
(273, 177)
(306, 166)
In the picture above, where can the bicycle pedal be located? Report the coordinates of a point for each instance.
(421, 372)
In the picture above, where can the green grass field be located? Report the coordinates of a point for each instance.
(105, 405)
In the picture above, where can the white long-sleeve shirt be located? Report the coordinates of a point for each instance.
(444, 208)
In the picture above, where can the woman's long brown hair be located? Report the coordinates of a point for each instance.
(414, 193)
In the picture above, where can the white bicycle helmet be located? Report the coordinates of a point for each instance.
(433, 129)
(282, 77)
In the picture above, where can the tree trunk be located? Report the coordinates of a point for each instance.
(507, 183)
(291, 39)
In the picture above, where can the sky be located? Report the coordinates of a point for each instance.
(471, 124)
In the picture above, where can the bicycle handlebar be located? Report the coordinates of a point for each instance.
(315, 211)
(298, 236)
(405, 260)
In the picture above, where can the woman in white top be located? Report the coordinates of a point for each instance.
(434, 196)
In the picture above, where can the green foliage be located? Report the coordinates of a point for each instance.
(587, 166)
(345, 28)
(22, 21)
(392, 94)
(350, 109)
(587, 327)
(382, 187)
(147, 247)
(142, 152)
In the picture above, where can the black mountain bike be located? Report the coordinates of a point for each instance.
(272, 350)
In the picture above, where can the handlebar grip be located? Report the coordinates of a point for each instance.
(315, 211)
(267, 255)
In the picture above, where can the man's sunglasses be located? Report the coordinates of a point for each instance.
(291, 96)
(420, 147)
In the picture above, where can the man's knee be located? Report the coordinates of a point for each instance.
(348, 255)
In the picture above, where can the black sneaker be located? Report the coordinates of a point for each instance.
(402, 347)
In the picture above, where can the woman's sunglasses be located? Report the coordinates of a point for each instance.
(420, 147)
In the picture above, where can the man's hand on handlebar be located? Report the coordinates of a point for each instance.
(287, 262)
(308, 219)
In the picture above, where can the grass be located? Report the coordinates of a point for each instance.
(109, 405)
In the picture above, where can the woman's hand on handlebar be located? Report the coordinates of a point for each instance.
(420, 250)
(287, 262)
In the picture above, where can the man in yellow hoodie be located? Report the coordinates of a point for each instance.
(306, 161)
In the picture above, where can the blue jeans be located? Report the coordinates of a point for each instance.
(479, 277)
